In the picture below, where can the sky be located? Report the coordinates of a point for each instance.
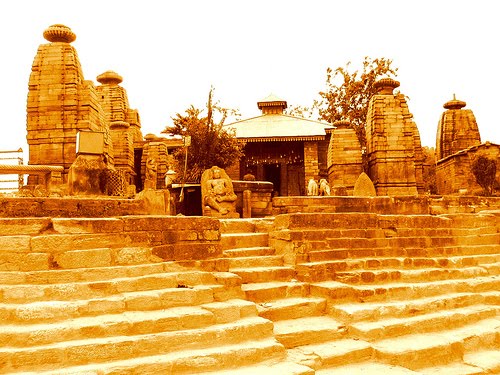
(170, 53)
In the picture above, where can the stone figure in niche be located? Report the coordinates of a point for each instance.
(312, 187)
(324, 187)
(150, 177)
(217, 193)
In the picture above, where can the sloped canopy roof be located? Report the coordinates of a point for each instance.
(279, 127)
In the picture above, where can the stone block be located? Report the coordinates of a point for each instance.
(83, 258)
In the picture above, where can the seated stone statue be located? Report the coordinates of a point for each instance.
(217, 193)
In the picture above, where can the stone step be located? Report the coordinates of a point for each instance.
(309, 330)
(488, 360)
(260, 261)
(58, 276)
(238, 240)
(412, 275)
(332, 353)
(285, 367)
(368, 311)
(249, 252)
(323, 271)
(368, 368)
(246, 225)
(274, 290)
(47, 311)
(450, 318)
(187, 361)
(91, 289)
(292, 308)
(455, 368)
(341, 253)
(400, 262)
(425, 350)
(334, 290)
(100, 350)
(264, 274)
(127, 323)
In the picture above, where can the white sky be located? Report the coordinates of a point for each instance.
(170, 53)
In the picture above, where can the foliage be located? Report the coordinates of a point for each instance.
(484, 171)
(211, 144)
(429, 170)
(348, 92)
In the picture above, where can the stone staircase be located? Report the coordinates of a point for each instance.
(324, 293)
(133, 315)
(420, 293)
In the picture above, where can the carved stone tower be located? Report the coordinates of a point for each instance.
(124, 122)
(393, 143)
(345, 162)
(457, 129)
(61, 103)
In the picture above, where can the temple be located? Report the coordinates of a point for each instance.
(393, 144)
(285, 150)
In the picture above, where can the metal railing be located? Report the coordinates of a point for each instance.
(9, 182)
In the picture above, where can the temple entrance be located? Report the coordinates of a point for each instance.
(272, 173)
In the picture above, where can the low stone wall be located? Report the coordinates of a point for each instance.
(408, 205)
(71, 207)
(65, 243)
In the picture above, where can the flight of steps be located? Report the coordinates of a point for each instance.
(422, 292)
(142, 318)
(299, 319)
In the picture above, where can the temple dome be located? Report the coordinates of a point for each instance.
(59, 33)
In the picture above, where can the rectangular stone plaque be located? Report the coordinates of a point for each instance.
(88, 142)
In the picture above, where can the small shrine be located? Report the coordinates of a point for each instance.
(285, 150)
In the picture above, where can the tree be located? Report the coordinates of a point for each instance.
(211, 144)
(348, 93)
(484, 171)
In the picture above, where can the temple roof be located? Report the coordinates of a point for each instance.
(279, 127)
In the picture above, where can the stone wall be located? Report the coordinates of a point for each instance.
(388, 205)
(66, 243)
(454, 174)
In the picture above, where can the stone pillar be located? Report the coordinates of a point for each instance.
(60, 103)
(457, 129)
(311, 166)
(393, 146)
(344, 158)
(157, 150)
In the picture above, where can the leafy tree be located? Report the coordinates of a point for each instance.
(211, 144)
(484, 171)
(348, 92)
(429, 170)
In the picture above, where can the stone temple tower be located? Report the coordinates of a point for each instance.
(393, 145)
(457, 129)
(124, 123)
(344, 160)
(61, 103)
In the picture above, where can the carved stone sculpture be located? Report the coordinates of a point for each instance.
(217, 194)
(324, 187)
(312, 187)
(150, 177)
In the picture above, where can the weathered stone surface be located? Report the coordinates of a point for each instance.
(364, 186)
(344, 157)
(60, 102)
(393, 144)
